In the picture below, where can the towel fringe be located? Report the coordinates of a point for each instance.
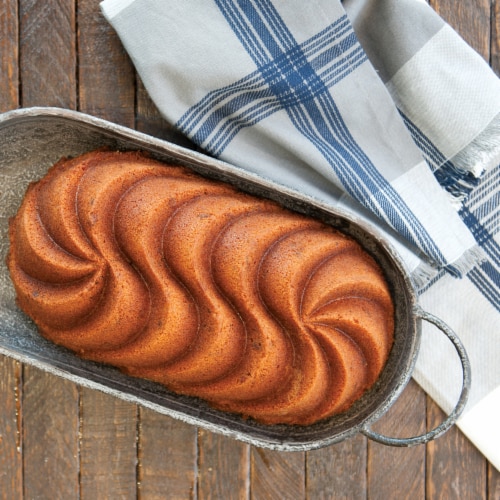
(462, 173)
(458, 198)
(423, 275)
(469, 259)
(458, 182)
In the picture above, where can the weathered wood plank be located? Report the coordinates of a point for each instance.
(493, 483)
(149, 120)
(11, 468)
(108, 448)
(495, 37)
(167, 457)
(9, 52)
(47, 53)
(50, 435)
(275, 474)
(11, 465)
(108, 425)
(338, 471)
(50, 405)
(406, 418)
(223, 467)
(455, 468)
(167, 448)
(470, 19)
(105, 73)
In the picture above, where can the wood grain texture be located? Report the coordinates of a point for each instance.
(149, 120)
(106, 87)
(406, 418)
(495, 37)
(337, 471)
(223, 467)
(493, 483)
(162, 474)
(276, 474)
(108, 450)
(11, 466)
(451, 474)
(50, 406)
(105, 74)
(471, 19)
(50, 436)
(48, 53)
(167, 458)
(9, 51)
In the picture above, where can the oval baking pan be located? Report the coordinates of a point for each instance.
(33, 139)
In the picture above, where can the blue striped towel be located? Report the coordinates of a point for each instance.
(378, 108)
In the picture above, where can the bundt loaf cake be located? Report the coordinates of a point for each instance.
(190, 283)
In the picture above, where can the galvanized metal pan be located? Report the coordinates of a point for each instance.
(32, 139)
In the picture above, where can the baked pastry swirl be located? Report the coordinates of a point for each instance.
(191, 283)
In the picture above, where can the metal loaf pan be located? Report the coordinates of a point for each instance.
(33, 139)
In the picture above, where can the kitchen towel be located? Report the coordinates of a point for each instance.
(378, 108)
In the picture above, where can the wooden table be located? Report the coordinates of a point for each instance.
(59, 441)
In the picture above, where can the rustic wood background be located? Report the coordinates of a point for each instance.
(59, 441)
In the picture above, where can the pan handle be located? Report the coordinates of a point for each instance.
(453, 416)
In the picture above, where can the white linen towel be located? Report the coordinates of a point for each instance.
(380, 110)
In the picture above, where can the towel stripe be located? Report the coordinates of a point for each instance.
(296, 78)
(257, 106)
(481, 212)
(255, 86)
(486, 279)
(456, 181)
(434, 157)
(485, 201)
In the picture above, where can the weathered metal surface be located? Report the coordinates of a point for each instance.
(32, 139)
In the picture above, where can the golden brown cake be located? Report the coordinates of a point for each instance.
(191, 283)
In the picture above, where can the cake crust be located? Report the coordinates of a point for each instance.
(193, 284)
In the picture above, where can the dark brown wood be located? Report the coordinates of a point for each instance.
(105, 74)
(495, 37)
(150, 121)
(161, 475)
(454, 465)
(108, 451)
(9, 50)
(276, 474)
(167, 457)
(50, 436)
(471, 19)
(338, 471)
(406, 465)
(11, 466)
(50, 405)
(223, 467)
(11, 445)
(108, 443)
(48, 53)
(493, 483)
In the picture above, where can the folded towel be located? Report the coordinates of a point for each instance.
(382, 110)
(450, 101)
